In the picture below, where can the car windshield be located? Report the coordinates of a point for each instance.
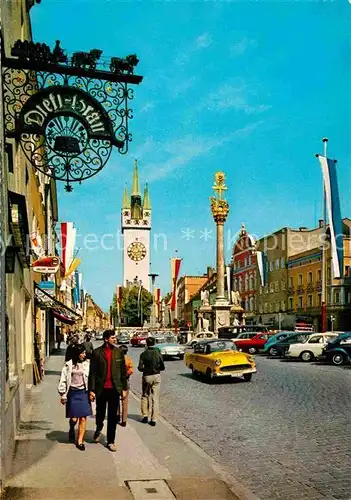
(221, 346)
(171, 339)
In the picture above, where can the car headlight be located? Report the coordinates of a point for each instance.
(250, 359)
(218, 362)
(163, 351)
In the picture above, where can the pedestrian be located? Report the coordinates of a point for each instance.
(150, 364)
(124, 400)
(59, 337)
(71, 347)
(89, 347)
(73, 389)
(107, 383)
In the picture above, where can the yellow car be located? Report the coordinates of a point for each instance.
(220, 358)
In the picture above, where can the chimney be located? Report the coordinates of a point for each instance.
(320, 223)
(302, 228)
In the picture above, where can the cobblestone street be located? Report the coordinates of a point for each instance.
(284, 435)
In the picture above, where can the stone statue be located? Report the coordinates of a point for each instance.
(236, 299)
(205, 298)
(205, 324)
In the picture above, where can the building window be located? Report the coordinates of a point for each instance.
(250, 260)
(240, 284)
(319, 274)
(238, 264)
(251, 282)
(300, 280)
(9, 156)
(291, 303)
(277, 286)
(282, 284)
(271, 266)
(319, 299)
(337, 298)
(234, 266)
(252, 304)
(277, 262)
(310, 278)
(271, 307)
(347, 271)
(261, 309)
(271, 287)
(329, 273)
(277, 307)
(310, 301)
(282, 263)
(300, 302)
(265, 307)
(282, 305)
(235, 286)
(245, 262)
(246, 282)
(246, 304)
(348, 297)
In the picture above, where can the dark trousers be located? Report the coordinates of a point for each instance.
(108, 397)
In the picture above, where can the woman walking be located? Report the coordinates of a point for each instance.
(73, 389)
(124, 399)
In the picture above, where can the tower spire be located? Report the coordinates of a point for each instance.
(146, 202)
(135, 188)
(126, 200)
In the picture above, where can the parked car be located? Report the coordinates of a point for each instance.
(251, 342)
(276, 338)
(123, 338)
(138, 340)
(312, 347)
(169, 347)
(281, 347)
(200, 336)
(219, 358)
(231, 332)
(338, 351)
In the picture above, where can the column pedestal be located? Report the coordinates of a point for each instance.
(221, 309)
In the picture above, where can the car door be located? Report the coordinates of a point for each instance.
(314, 344)
(261, 340)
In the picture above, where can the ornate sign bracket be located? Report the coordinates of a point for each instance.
(67, 113)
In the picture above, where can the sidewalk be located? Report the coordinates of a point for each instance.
(154, 463)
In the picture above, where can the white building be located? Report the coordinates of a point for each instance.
(136, 227)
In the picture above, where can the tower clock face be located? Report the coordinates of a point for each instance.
(136, 251)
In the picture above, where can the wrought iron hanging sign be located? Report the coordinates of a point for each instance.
(67, 117)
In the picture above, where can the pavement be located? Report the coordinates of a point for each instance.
(151, 463)
(284, 435)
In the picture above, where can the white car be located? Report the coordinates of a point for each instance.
(312, 347)
(200, 336)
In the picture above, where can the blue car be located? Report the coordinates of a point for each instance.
(338, 351)
(274, 339)
(169, 348)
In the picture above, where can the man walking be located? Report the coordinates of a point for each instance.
(88, 345)
(107, 383)
(150, 364)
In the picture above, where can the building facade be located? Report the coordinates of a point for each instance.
(136, 227)
(245, 275)
(187, 287)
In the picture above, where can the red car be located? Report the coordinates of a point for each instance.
(251, 342)
(138, 340)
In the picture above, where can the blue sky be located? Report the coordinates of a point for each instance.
(247, 88)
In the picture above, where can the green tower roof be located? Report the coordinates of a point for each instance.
(135, 188)
(126, 200)
(146, 202)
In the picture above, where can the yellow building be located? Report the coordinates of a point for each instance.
(305, 286)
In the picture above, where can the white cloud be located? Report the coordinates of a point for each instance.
(203, 41)
(242, 46)
(236, 97)
(177, 154)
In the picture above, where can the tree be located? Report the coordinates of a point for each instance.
(131, 308)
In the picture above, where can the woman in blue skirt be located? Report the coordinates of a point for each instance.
(73, 389)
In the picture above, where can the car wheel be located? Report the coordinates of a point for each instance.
(209, 375)
(338, 359)
(273, 351)
(247, 377)
(193, 371)
(193, 344)
(181, 356)
(252, 350)
(306, 356)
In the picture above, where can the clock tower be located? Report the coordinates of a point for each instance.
(136, 227)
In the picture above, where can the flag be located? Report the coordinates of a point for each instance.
(334, 213)
(68, 240)
(157, 301)
(175, 267)
(119, 298)
(261, 264)
(73, 266)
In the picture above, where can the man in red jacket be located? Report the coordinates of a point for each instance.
(107, 383)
